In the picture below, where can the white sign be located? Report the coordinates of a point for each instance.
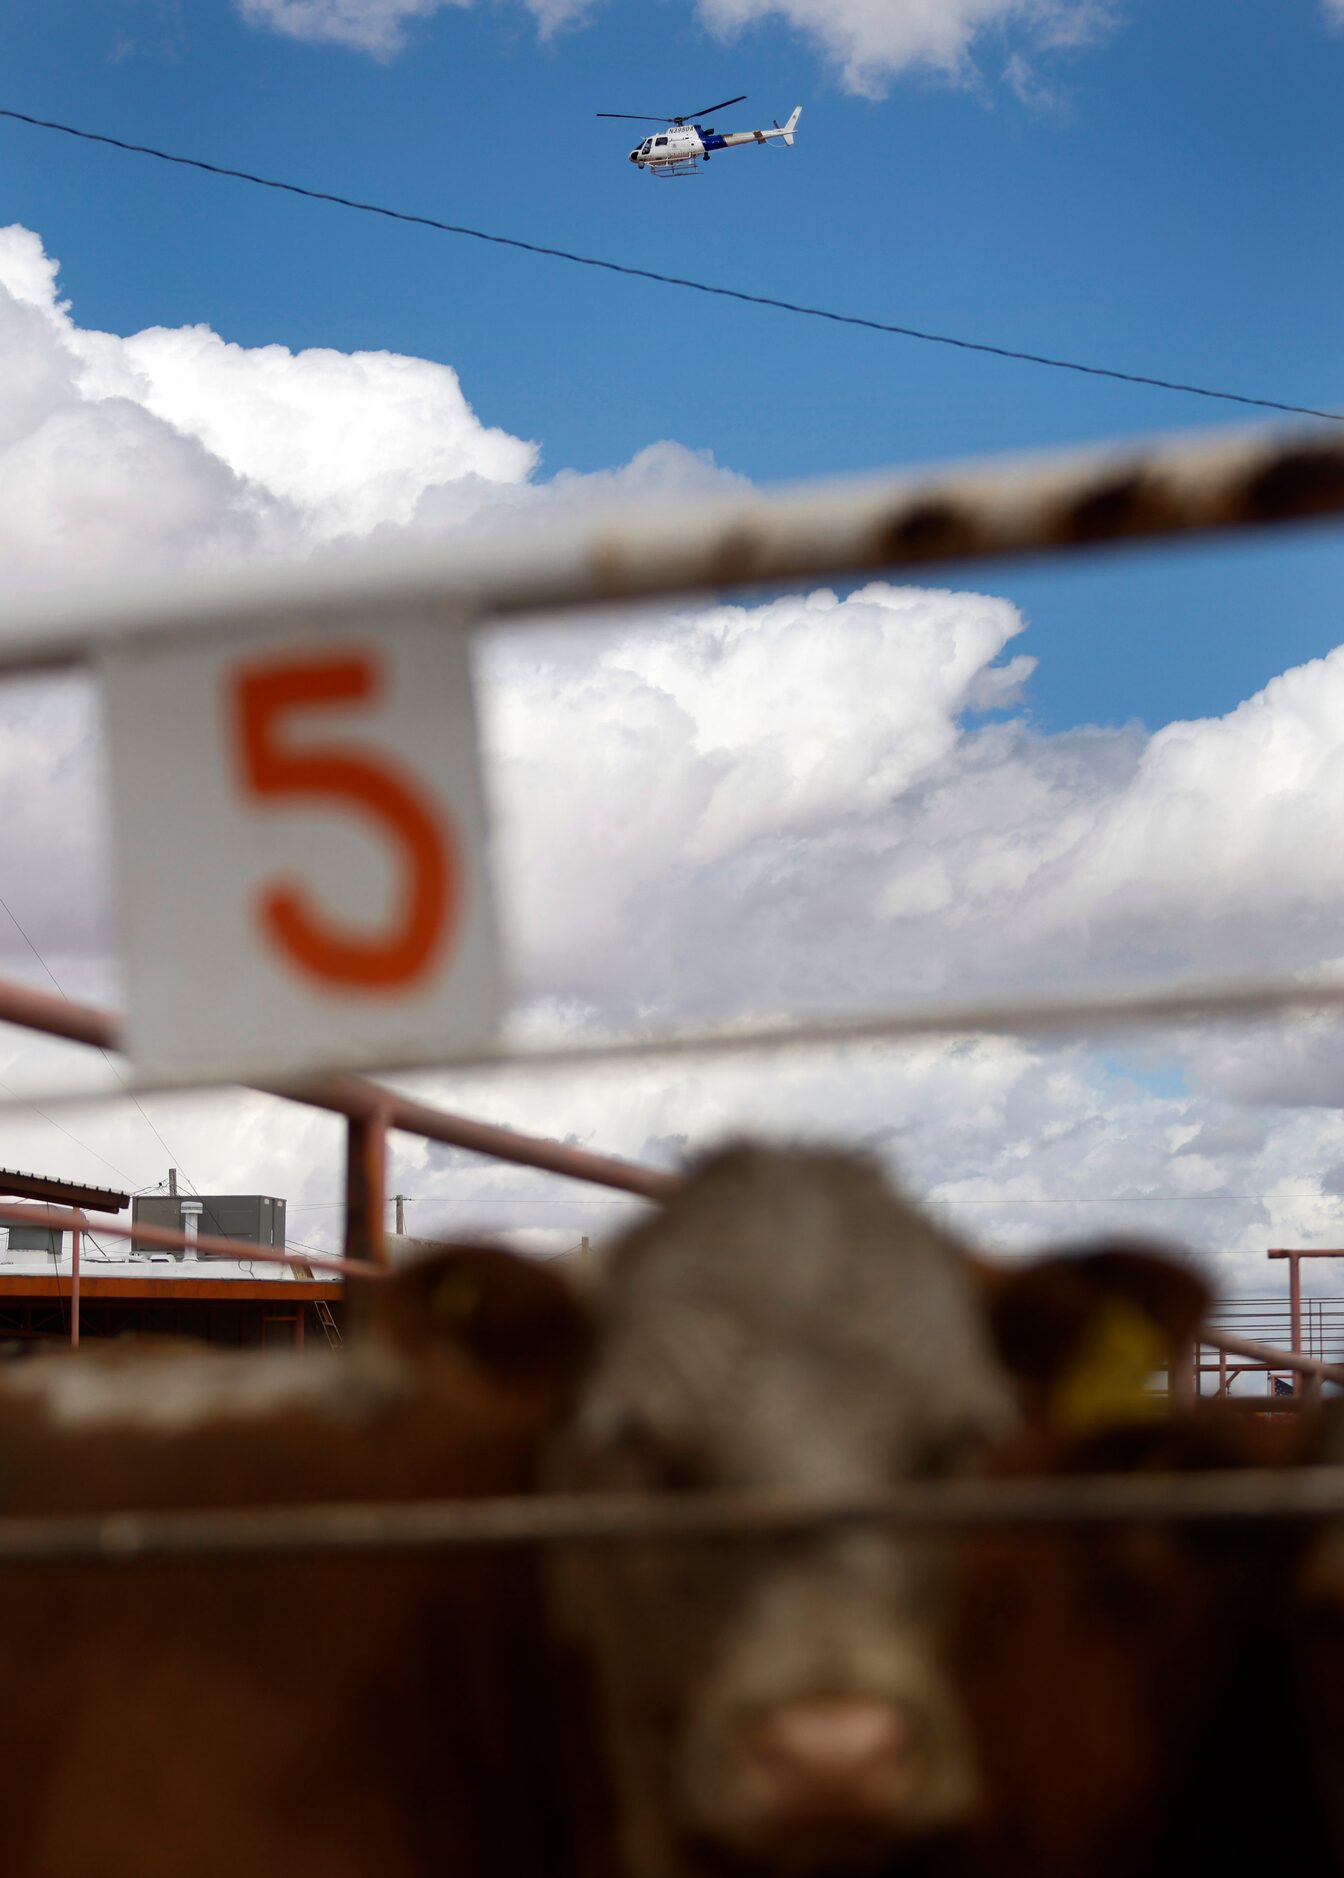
(300, 850)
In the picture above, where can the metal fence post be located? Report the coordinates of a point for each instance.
(74, 1279)
(365, 1187)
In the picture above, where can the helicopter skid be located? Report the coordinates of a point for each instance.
(688, 166)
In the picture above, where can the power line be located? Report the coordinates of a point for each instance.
(1124, 1199)
(670, 280)
(110, 1064)
(31, 947)
(1004, 1200)
(120, 1172)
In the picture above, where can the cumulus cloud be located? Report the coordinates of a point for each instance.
(704, 777)
(176, 447)
(873, 41)
(808, 803)
(929, 850)
(378, 26)
(347, 439)
(799, 805)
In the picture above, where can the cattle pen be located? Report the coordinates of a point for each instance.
(1067, 503)
(957, 1581)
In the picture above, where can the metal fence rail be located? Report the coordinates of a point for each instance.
(1026, 1015)
(1213, 1498)
(208, 1245)
(948, 515)
(1184, 486)
(372, 1109)
(1270, 1320)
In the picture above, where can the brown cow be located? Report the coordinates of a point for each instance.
(788, 1321)
(320, 1718)
(1129, 1689)
(1316, 1625)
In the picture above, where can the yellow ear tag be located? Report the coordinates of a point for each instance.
(1107, 1381)
(457, 1295)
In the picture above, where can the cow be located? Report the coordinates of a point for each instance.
(1130, 1688)
(324, 1717)
(788, 1321)
(1315, 1615)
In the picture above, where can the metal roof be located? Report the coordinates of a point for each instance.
(63, 1192)
(115, 1263)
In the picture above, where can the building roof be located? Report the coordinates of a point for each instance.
(62, 1192)
(113, 1274)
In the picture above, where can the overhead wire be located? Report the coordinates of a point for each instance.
(120, 1172)
(924, 1199)
(698, 286)
(669, 280)
(28, 941)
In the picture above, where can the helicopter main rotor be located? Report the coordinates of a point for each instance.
(632, 117)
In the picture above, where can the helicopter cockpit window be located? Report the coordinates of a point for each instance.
(648, 145)
(660, 141)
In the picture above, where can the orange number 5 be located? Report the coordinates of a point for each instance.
(429, 897)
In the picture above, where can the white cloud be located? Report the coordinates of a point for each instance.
(173, 447)
(785, 805)
(874, 41)
(348, 439)
(780, 806)
(379, 26)
(701, 764)
(1334, 12)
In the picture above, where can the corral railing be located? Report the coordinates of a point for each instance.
(1066, 502)
(1313, 1330)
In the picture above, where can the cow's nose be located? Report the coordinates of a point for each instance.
(844, 1761)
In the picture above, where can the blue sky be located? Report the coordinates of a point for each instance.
(1165, 202)
(811, 804)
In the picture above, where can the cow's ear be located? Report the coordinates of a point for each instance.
(502, 1310)
(1082, 1333)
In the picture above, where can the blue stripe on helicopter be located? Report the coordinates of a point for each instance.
(715, 143)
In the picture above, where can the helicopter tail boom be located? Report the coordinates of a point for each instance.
(784, 131)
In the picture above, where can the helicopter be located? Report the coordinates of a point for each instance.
(686, 143)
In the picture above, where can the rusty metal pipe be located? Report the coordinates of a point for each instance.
(1024, 1016)
(126, 1537)
(1295, 1315)
(352, 1095)
(357, 1098)
(209, 1245)
(366, 1187)
(1049, 503)
(58, 1017)
(75, 1231)
(1271, 1358)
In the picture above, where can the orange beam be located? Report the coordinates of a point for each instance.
(164, 1290)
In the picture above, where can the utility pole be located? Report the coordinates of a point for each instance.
(172, 1182)
(401, 1199)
